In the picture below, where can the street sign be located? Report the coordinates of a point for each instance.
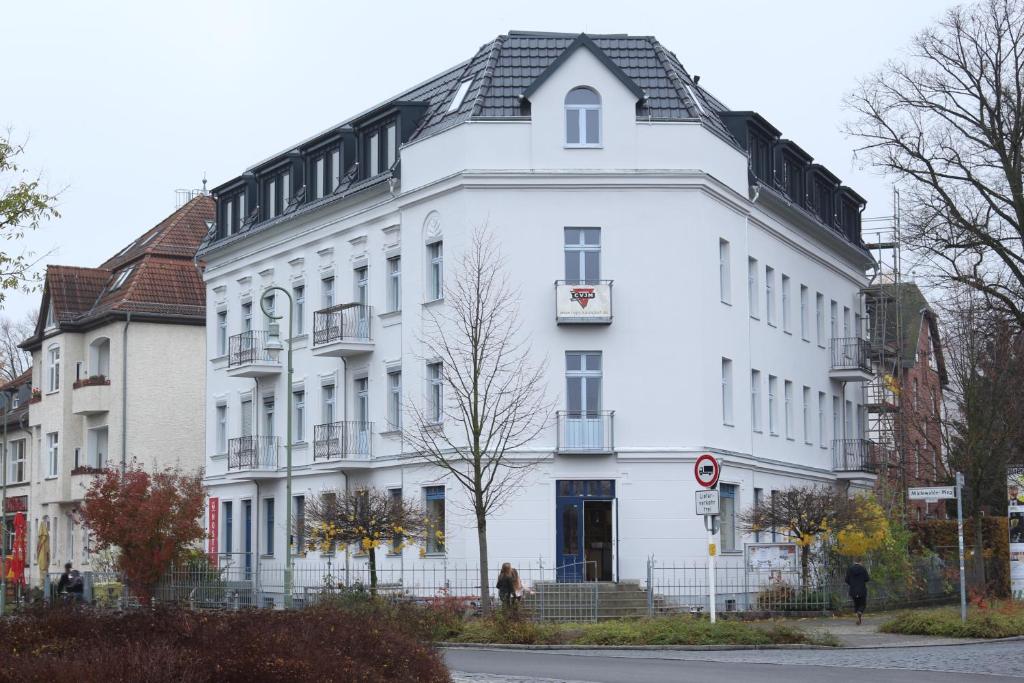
(931, 492)
(706, 470)
(707, 502)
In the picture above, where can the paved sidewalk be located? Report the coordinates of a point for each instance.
(845, 628)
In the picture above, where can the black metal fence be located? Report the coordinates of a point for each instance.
(252, 453)
(854, 455)
(851, 353)
(342, 440)
(250, 347)
(344, 322)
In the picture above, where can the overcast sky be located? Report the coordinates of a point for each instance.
(123, 102)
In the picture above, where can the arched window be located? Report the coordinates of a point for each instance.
(53, 368)
(582, 118)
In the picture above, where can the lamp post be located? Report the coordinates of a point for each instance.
(288, 557)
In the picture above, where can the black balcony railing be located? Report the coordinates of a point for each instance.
(252, 453)
(344, 322)
(854, 455)
(851, 353)
(342, 440)
(589, 431)
(250, 347)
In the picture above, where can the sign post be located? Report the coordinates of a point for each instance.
(960, 540)
(707, 470)
(936, 493)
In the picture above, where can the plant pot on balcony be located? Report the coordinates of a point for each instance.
(86, 469)
(93, 381)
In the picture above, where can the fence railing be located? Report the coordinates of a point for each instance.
(851, 353)
(344, 322)
(252, 453)
(342, 440)
(242, 580)
(854, 455)
(587, 431)
(250, 347)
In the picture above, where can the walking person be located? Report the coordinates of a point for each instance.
(507, 580)
(857, 579)
(71, 585)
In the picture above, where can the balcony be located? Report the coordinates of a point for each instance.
(342, 441)
(582, 432)
(253, 454)
(854, 456)
(583, 302)
(851, 359)
(253, 354)
(342, 331)
(90, 396)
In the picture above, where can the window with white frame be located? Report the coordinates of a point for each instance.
(395, 399)
(327, 403)
(837, 416)
(787, 395)
(53, 368)
(582, 118)
(805, 313)
(833, 312)
(52, 454)
(846, 321)
(269, 307)
(434, 504)
(773, 407)
(16, 471)
(785, 303)
(299, 415)
(362, 400)
(435, 392)
(299, 303)
(435, 270)
(97, 441)
(247, 316)
(727, 418)
(848, 419)
(819, 312)
(724, 277)
(395, 283)
(361, 286)
(728, 509)
(268, 416)
(755, 400)
(821, 420)
(327, 292)
(807, 415)
(222, 333)
(222, 429)
(769, 294)
(582, 255)
(752, 287)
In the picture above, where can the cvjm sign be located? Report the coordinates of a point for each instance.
(584, 303)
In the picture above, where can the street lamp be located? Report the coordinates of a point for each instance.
(288, 559)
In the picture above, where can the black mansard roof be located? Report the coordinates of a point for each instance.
(505, 71)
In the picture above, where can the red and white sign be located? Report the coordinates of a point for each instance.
(707, 470)
(583, 303)
(211, 533)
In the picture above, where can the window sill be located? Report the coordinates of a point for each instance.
(433, 302)
(785, 331)
(728, 424)
(267, 557)
(222, 358)
(387, 315)
(594, 146)
(391, 433)
(731, 552)
(790, 438)
(218, 456)
(755, 317)
(771, 324)
(50, 477)
(774, 433)
(435, 556)
(727, 303)
(757, 431)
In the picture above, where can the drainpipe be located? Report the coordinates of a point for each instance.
(124, 394)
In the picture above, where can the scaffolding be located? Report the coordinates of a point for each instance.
(882, 300)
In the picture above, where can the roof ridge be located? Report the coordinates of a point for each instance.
(487, 75)
(673, 77)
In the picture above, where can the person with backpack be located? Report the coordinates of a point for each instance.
(71, 584)
(857, 579)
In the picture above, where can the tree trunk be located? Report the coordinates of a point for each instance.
(485, 584)
(373, 571)
(979, 555)
(805, 566)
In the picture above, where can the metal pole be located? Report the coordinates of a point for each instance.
(288, 555)
(960, 540)
(709, 524)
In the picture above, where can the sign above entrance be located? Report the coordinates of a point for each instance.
(707, 502)
(706, 470)
(931, 492)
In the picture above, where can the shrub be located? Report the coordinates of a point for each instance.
(1000, 622)
(166, 645)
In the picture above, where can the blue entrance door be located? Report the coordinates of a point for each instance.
(584, 534)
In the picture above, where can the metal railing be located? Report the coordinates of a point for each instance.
(250, 347)
(851, 353)
(342, 440)
(252, 453)
(344, 322)
(853, 455)
(588, 431)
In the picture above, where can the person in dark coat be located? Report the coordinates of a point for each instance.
(857, 579)
(507, 584)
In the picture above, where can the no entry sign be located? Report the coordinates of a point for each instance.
(706, 470)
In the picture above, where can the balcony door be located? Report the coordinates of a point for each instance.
(362, 330)
(582, 255)
(362, 408)
(583, 400)
(246, 418)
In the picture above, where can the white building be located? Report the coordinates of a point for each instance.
(737, 266)
(117, 366)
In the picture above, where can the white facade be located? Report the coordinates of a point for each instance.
(677, 221)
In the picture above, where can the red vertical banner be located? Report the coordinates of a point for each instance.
(211, 533)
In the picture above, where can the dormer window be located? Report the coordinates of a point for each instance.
(277, 191)
(121, 277)
(324, 172)
(232, 209)
(51, 322)
(582, 118)
(381, 149)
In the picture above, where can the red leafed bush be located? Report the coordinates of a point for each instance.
(317, 644)
(152, 520)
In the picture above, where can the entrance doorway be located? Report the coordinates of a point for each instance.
(585, 519)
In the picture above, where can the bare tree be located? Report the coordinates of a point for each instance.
(490, 399)
(948, 123)
(14, 360)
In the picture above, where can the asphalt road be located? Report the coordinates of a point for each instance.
(939, 664)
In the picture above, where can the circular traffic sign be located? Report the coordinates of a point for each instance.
(706, 470)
